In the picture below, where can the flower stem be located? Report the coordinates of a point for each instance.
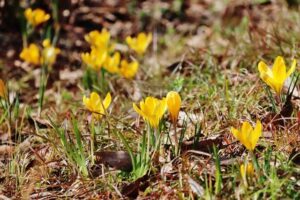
(43, 83)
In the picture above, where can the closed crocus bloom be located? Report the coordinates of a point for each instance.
(128, 70)
(98, 39)
(111, 63)
(276, 76)
(36, 16)
(31, 54)
(95, 58)
(152, 110)
(49, 53)
(96, 105)
(247, 170)
(173, 103)
(3, 91)
(140, 43)
(247, 135)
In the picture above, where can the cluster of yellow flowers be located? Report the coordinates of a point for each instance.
(249, 136)
(34, 55)
(151, 109)
(274, 78)
(102, 53)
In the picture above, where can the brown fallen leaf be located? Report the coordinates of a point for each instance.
(41, 123)
(116, 159)
(204, 145)
(131, 190)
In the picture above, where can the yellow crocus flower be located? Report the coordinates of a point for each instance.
(36, 16)
(152, 110)
(247, 135)
(276, 76)
(173, 103)
(3, 91)
(95, 58)
(31, 54)
(49, 53)
(128, 70)
(140, 43)
(97, 39)
(96, 105)
(246, 170)
(111, 63)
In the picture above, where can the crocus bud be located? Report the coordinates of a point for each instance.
(173, 103)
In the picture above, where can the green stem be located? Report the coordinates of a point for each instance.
(271, 99)
(92, 142)
(148, 139)
(43, 83)
(176, 139)
(256, 166)
(102, 80)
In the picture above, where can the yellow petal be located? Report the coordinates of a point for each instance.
(87, 103)
(242, 171)
(137, 110)
(279, 70)
(173, 103)
(235, 133)
(46, 43)
(129, 40)
(245, 133)
(255, 134)
(276, 86)
(107, 101)
(264, 69)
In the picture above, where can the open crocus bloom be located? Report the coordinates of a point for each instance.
(36, 16)
(152, 110)
(96, 105)
(128, 70)
(95, 59)
(99, 40)
(247, 135)
(111, 63)
(31, 54)
(140, 43)
(276, 76)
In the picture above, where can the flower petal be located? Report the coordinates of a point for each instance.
(107, 101)
(279, 69)
(264, 69)
(235, 133)
(256, 134)
(138, 110)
